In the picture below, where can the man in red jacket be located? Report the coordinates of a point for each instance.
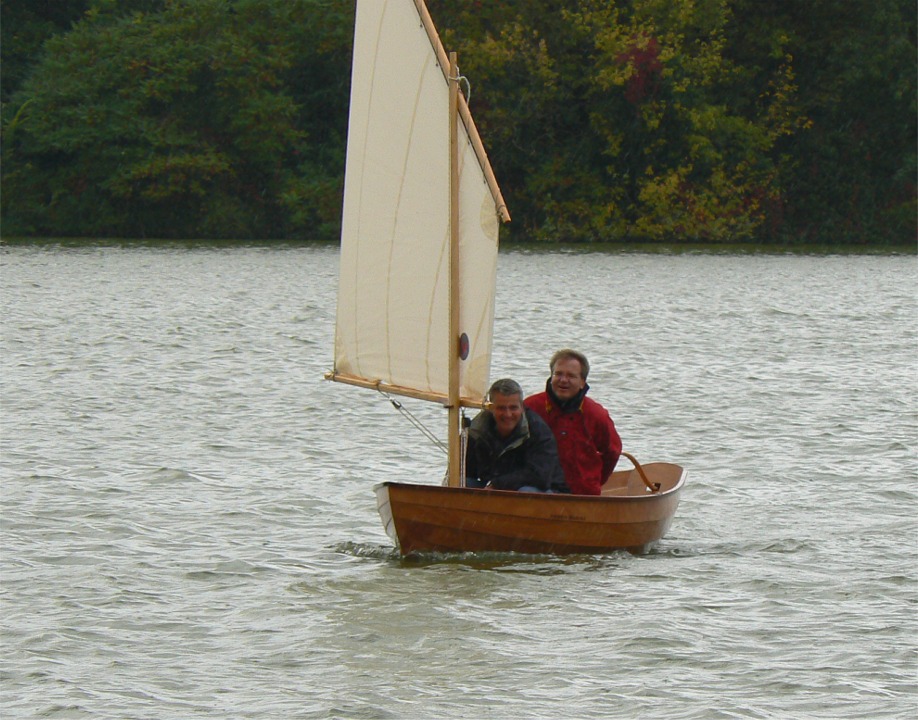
(588, 444)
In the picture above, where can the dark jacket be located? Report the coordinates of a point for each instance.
(588, 444)
(528, 457)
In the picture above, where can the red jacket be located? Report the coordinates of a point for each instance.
(588, 443)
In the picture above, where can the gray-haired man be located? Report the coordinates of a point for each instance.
(510, 447)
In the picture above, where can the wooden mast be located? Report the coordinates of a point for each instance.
(454, 479)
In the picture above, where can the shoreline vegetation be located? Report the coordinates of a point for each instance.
(676, 123)
(643, 248)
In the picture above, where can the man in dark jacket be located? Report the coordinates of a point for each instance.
(588, 443)
(510, 447)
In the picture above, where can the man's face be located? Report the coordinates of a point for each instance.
(507, 411)
(565, 378)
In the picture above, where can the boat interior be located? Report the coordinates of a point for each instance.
(629, 482)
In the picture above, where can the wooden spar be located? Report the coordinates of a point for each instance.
(453, 345)
(401, 390)
(464, 112)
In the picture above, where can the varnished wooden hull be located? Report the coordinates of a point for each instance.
(434, 518)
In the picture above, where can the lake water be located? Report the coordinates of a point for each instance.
(189, 528)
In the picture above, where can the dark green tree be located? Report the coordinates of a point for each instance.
(207, 118)
(850, 177)
(25, 25)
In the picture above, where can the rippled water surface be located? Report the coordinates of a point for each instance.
(188, 526)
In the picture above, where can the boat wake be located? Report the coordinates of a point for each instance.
(544, 563)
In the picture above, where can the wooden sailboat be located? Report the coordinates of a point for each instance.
(416, 299)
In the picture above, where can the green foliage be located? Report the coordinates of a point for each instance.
(605, 120)
(851, 175)
(24, 27)
(627, 120)
(199, 120)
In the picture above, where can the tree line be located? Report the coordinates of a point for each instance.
(768, 121)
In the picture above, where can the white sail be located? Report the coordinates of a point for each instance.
(393, 295)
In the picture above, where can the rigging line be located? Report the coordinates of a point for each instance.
(468, 86)
(414, 421)
(463, 447)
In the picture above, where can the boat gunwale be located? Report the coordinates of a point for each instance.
(543, 497)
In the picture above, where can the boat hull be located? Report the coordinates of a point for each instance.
(627, 516)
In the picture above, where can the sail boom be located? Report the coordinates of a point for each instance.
(388, 388)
